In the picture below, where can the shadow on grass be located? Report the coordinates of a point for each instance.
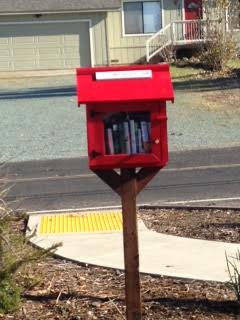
(221, 83)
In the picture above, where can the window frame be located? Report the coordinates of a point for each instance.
(141, 34)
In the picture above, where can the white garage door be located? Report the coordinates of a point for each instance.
(49, 45)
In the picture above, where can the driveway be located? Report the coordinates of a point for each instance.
(40, 118)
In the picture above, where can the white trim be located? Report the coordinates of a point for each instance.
(45, 21)
(183, 9)
(163, 15)
(92, 56)
(122, 21)
(140, 34)
(30, 13)
(107, 39)
(183, 17)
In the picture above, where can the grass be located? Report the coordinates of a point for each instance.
(188, 72)
(233, 266)
(234, 64)
(185, 72)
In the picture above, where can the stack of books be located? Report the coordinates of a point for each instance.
(128, 133)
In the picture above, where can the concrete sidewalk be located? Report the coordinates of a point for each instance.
(160, 254)
(36, 73)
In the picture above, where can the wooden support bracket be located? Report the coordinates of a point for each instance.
(114, 179)
(111, 178)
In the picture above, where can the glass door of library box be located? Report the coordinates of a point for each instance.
(127, 135)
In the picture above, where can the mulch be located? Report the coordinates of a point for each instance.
(67, 290)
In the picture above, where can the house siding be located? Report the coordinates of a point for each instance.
(99, 38)
(125, 49)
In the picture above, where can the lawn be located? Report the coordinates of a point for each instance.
(188, 70)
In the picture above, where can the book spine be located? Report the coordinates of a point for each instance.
(133, 136)
(145, 136)
(110, 141)
(136, 137)
(140, 145)
(116, 139)
(149, 136)
(127, 137)
(121, 138)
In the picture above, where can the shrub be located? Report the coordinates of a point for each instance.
(15, 253)
(220, 46)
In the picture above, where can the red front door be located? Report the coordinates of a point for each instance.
(193, 11)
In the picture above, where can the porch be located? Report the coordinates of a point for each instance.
(177, 34)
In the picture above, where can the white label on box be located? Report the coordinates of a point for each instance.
(131, 74)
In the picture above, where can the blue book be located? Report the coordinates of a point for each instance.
(127, 137)
(133, 136)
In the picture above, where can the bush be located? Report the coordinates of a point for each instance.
(219, 49)
(15, 253)
(9, 295)
(220, 46)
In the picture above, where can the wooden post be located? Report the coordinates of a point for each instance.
(128, 184)
(130, 241)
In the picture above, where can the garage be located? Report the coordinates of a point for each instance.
(45, 45)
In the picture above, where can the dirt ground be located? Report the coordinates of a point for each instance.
(214, 92)
(220, 100)
(71, 291)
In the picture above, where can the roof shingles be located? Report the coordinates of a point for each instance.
(40, 6)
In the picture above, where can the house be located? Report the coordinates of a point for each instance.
(62, 34)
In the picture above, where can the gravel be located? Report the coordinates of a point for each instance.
(40, 120)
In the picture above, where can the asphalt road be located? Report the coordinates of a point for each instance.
(209, 177)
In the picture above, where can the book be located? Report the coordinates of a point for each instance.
(140, 144)
(116, 139)
(127, 137)
(136, 137)
(133, 136)
(127, 133)
(110, 141)
(149, 136)
(145, 136)
(121, 138)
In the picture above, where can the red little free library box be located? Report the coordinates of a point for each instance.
(126, 115)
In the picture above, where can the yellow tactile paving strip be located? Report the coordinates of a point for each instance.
(94, 221)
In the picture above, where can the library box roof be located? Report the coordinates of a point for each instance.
(124, 84)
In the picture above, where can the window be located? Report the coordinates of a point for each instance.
(142, 17)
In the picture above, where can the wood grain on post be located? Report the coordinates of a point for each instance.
(130, 240)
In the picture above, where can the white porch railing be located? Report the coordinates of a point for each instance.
(157, 42)
(180, 32)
